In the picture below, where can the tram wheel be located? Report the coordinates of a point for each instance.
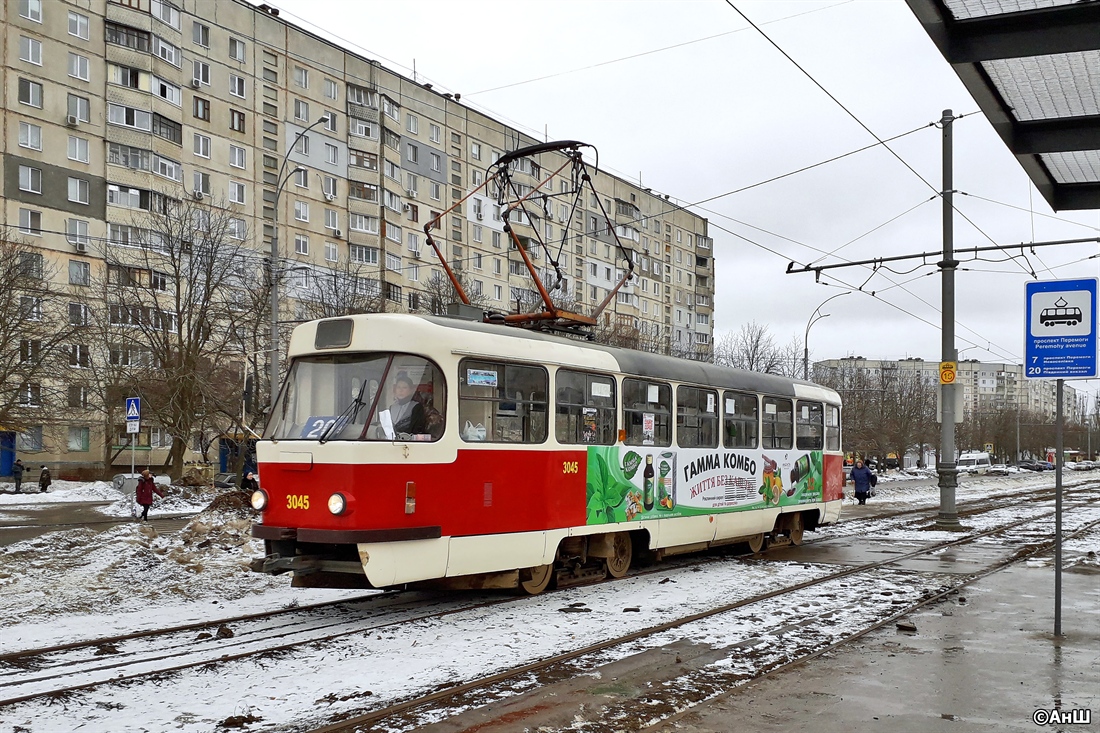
(756, 543)
(619, 562)
(533, 581)
(795, 528)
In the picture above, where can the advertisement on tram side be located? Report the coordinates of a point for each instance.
(627, 483)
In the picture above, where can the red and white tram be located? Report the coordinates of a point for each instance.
(406, 448)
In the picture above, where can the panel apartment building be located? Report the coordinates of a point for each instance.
(987, 387)
(111, 105)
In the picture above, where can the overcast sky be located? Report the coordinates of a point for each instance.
(691, 98)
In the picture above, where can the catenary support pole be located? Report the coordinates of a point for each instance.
(948, 517)
(1058, 460)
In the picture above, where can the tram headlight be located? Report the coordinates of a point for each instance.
(259, 500)
(338, 504)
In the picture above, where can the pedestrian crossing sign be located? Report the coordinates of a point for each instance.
(133, 408)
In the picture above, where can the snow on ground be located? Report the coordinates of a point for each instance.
(84, 582)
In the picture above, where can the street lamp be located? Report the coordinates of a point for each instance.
(274, 269)
(814, 318)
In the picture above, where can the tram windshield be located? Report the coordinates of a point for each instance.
(376, 396)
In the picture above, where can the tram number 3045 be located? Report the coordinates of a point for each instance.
(297, 501)
(570, 466)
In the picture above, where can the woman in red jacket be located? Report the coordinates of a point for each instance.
(145, 488)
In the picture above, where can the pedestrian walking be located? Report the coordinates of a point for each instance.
(249, 483)
(146, 486)
(864, 480)
(44, 480)
(17, 474)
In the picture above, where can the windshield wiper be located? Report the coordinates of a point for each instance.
(351, 411)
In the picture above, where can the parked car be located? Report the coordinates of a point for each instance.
(226, 481)
(1046, 465)
(1028, 466)
(998, 469)
(974, 462)
(1084, 466)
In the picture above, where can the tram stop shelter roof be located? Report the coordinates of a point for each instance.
(1033, 66)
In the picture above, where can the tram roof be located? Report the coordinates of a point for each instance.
(643, 363)
(1030, 65)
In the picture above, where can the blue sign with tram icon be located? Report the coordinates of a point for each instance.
(1060, 338)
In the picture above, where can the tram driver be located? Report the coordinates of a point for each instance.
(406, 414)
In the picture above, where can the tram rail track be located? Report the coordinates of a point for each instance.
(105, 665)
(413, 713)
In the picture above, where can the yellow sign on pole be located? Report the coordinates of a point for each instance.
(947, 372)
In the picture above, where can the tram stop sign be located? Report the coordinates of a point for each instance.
(1060, 327)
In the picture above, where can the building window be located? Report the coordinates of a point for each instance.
(301, 210)
(390, 108)
(236, 49)
(78, 149)
(301, 77)
(362, 128)
(202, 108)
(330, 121)
(31, 10)
(363, 160)
(236, 156)
(332, 219)
(78, 353)
(475, 151)
(301, 110)
(236, 192)
(202, 146)
(76, 231)
(165, 13)
(30, 179)
(78, 190)
(301, 244)
(301, 145)
(237, 86)
(331, 253)
(30, 136)
(78, 396)
(30, 439)
(166, 51)
(200, 34)
(78, 66)
(78, 439)
(236, 120)
(413, 153)
(332, 154)
(202, 183)
(332, 90)
(412, 123)
(30, 50)
(201, 72)
(79, 107)
(393, 233)
(433, 133)
(30, 308)
(361, 255)
(237, 228)
(363, 223)
(30, 93)
(80, 272)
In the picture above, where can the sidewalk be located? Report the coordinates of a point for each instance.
(985, 660)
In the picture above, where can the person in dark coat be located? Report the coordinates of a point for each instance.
(249, 483)
(862, 478)
(17, 474)
(146, 486)
(407, 414)
(44, 480)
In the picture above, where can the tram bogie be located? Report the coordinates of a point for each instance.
(408, 450)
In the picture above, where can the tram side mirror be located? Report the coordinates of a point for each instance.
(248, 392)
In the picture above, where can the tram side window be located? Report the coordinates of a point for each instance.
(741, 420)
(696, 417)
(647, 412)
(584, 408)
(832, 427)
(502, 403)
(778, 423)
(809, 426)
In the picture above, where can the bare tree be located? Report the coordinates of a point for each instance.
(39, 345)
(343, 290)
(438, 293)
(177, 298)
(751, 348)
